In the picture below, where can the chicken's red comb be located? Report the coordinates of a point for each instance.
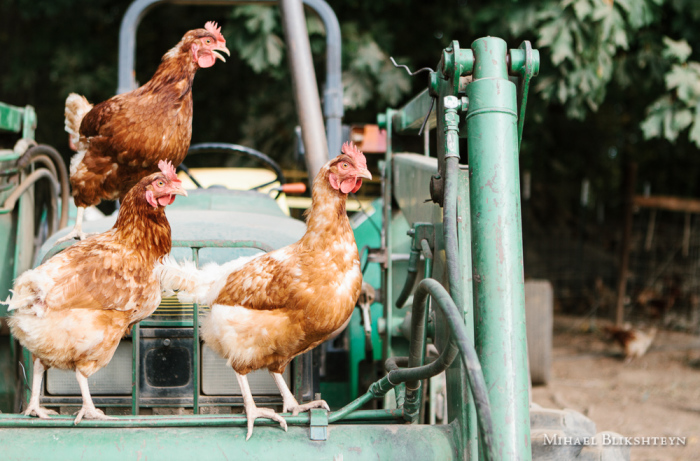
(215, 30)
(168, 170)
(354, 153)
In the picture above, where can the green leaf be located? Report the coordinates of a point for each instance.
(273, 47)
(357, 90)
(679, 50)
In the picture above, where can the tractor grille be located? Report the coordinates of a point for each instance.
(171, 308)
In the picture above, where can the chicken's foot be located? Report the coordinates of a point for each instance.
(252, 412)
(88, 411)
(34, 408)
(290, 403)
(77, 231)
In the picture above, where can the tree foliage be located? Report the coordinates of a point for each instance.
(619, 78)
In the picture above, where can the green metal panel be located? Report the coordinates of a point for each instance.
(8, 233)
(497, 246)
(409, 119)
(10, 118)
(346, 442)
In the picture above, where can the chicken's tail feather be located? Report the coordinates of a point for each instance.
(182, 278)
(30, 291)
(76, 108)
(194, 285)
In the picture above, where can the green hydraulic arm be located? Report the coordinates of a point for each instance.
(475, 99)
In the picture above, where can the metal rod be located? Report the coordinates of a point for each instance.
(136, 358)
(21, 421)
(195, 344)
(306, 96)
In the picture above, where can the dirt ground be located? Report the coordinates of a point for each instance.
(654, 396)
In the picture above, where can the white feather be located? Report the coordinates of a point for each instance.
(196, 285)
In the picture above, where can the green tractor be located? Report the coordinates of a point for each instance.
(435, 369)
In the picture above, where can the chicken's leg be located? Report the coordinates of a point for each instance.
(77, 231)
(88, 411)
(251, 411)
(34, 408)
(290, 403)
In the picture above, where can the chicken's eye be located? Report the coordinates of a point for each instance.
(161, 184)
(345, 165)
(208, 41)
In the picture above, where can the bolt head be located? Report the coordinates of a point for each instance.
(451, 102)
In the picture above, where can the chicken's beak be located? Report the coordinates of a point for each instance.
(221, 48)
(364, 173)
(178, 190)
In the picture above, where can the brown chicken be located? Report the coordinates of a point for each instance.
(121, 140)
(72, 311)
(267, 310)
(635, 342)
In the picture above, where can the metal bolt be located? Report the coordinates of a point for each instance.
(451, 102)
(166, 342)
(317, 396)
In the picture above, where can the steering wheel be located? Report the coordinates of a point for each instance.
(226, 148)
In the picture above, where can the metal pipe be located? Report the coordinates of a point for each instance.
(33, 177)
(306, 96)
(62, 175)
(497, 249)
(20, 421)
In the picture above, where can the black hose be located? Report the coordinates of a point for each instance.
(410, 278)
(43, 149)
(470, 359)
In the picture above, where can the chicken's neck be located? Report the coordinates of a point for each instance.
(175, 72)
(327, 220)
(143, 228)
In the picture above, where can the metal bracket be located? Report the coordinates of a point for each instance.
(525, 63)
(422, 231)
(319, 424)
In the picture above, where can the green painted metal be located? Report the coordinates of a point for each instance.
(318, 424)
(410, 118)
(135, 366)
(196, 375)
(347, 442)
(10, 118)
(497, 245)
(456, 375)
(524, 62)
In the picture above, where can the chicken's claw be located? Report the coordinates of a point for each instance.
(253, 413)
(39, 412)
(90, 413)
(74, 234)
(308, 406)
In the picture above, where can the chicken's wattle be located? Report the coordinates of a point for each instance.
(166, 200)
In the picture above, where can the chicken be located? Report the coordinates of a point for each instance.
(635, 342)
(267, 310)
(71, 311)
(121, 140)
